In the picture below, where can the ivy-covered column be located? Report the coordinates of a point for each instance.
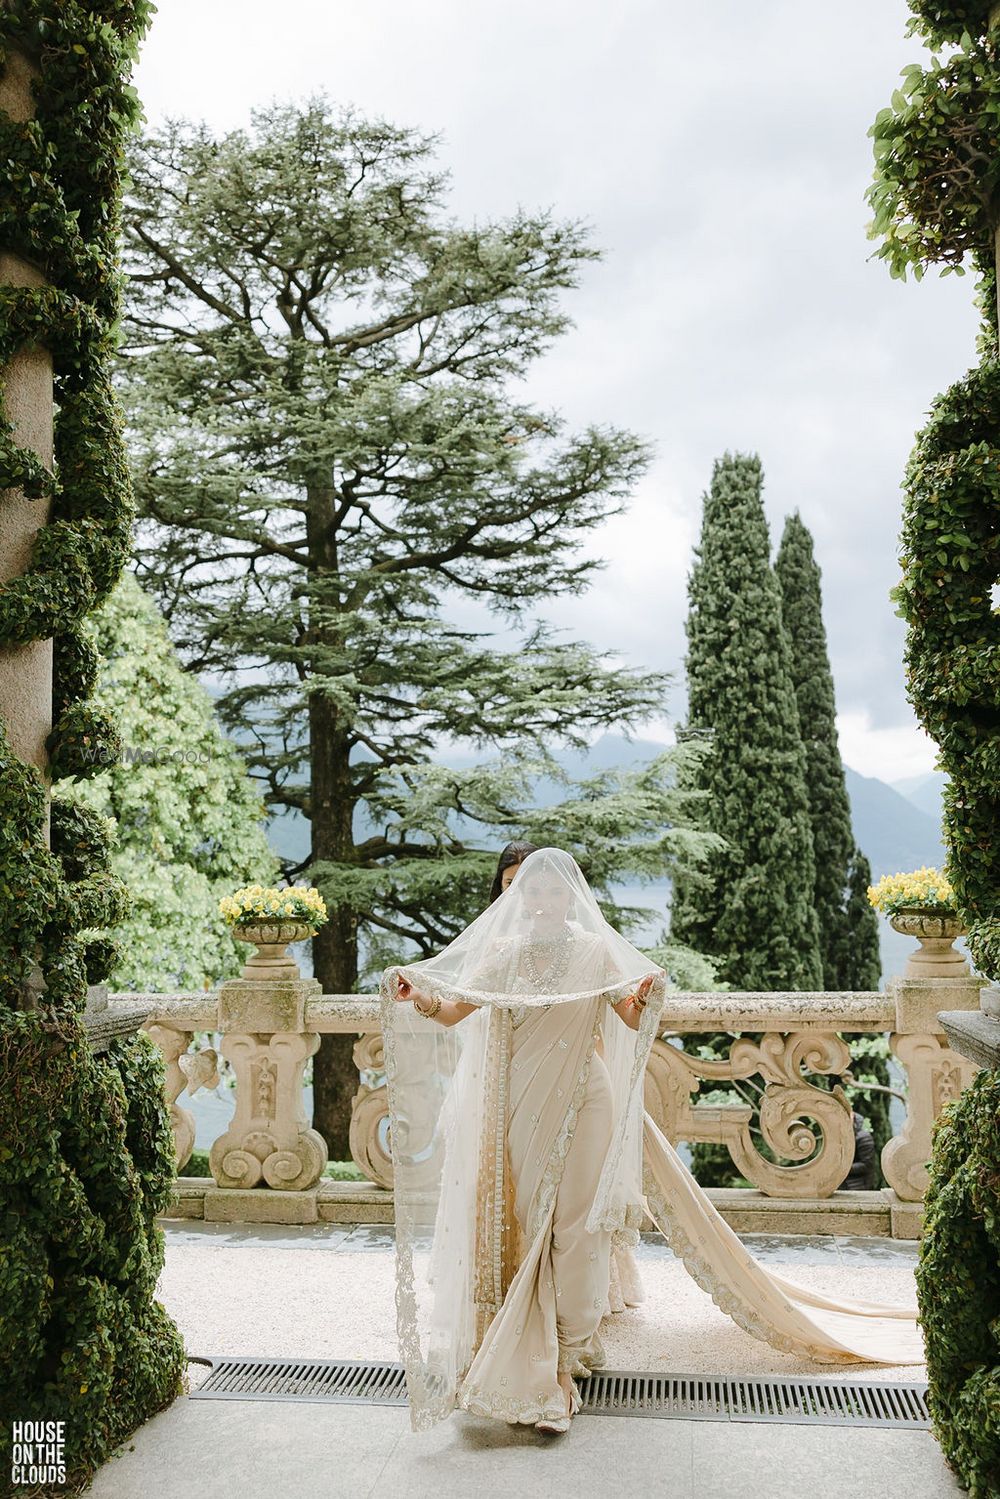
(25, 667)
(86, 1151)
(936, 197)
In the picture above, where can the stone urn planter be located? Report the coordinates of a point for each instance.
(271, 938)
(935, 929)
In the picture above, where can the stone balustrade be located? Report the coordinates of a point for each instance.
(270, 1028)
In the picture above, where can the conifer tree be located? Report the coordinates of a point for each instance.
(329, 447)
(846, 952)
(848, 925)
(753, 907)
(859, 964)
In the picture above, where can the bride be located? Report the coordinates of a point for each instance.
(522, 1156)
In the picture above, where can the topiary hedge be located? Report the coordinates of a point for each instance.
(958, 1284)
(86, 1164)
(86, 1153)
(937, 176)
(950, 555)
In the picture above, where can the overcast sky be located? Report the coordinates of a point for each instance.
(721, 155)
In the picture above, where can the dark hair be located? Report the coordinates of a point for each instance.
(513, 854)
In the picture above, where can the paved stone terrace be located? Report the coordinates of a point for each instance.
(325, 1291)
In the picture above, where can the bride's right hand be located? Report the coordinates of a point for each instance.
(404, 990)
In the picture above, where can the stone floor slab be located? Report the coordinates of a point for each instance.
(745, 1461)
(208, 1449)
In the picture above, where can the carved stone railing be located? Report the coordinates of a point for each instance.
(270, 1029)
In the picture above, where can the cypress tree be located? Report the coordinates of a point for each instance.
(848, 925)
(860, 967)
(849, 952)
(753, 907)
(859, 964)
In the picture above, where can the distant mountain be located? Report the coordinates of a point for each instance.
(288, 831)
(897, 830)
(923, 791)
(610, 752)
(892, 829)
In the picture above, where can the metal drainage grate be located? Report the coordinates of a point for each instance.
(692, 1397)
(687, 1397)
(345, 1381)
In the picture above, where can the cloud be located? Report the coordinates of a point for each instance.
(891, 753)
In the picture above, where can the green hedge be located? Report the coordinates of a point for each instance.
(936, 146)
(958, 1284)
(86, 1164)
(946, 20)
(950, 555)
(86, 1153)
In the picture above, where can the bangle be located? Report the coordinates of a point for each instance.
(428, 1014)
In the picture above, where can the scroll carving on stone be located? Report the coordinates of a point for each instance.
(184, 1069)
(934, 1074)
(269, 1141)
(799, 1121)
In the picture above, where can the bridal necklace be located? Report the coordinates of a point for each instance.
(554, 951)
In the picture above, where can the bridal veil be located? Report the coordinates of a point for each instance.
(471, 1225)
(459, 1240)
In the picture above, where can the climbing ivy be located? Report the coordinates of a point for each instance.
(958, 1283)
(59, 210)
(86, 1156)
(950, 554)
(935, 194)
(937, 153)
(941, 23)
(937, 147)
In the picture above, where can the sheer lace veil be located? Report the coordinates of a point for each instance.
(548, 900)
(543, 942)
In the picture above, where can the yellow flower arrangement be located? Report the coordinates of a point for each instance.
(926, 888)
(266, 903)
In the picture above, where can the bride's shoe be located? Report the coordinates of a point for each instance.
(562, 1423)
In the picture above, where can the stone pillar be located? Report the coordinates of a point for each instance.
(934, 1075)
(270, 1141)
(174, 1044)
(370, 1112)
(25, 670)
(976, 1036)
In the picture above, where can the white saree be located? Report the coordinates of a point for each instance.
(524, 1164)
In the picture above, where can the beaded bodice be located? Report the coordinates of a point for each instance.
(541, 969)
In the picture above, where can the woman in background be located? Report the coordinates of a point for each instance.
(512, 856)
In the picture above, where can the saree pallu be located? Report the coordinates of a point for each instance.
(831, 1330)
(475, 1193)
(479, 1165)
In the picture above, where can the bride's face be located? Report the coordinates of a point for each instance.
(545, 901)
